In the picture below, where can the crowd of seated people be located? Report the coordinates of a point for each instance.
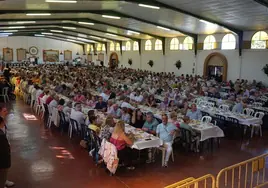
(101, 88)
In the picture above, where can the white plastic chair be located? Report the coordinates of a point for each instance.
(257, 104)
(202, 103)
(163, 149)
(224, 107)
(210, 104)
(4, 94)
(258, 115)
(248, 111)
(206, 119)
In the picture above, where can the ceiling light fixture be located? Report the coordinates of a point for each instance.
(47, 33)
(133, 32)
(95, 37)
(68, 27)
(57, 31)
(206, 22)
(110, 34)
(163, 28)
(9, 31)
(38, 14)
(37, 35)
(24, 22)
(86, 40)
(149, 6)
(16, 27)
(6, 33)
(61, 1)
(112, 17)
(82, 35)
(86, 23)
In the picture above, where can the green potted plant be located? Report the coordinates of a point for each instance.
(178, 64)
(265, 69)
(130, 62)
(151, 63)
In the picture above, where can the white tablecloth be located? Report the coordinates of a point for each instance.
(208, 131)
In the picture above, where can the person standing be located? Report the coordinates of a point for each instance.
(3, 128)
(5, 155)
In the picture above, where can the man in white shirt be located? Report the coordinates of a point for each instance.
(139, 97)
(105, 95)
(127, 105)
(114, 111)
(77, 114)
(54, 102)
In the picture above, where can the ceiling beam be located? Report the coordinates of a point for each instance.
(99, 12)
(75, 25)
(32, 35)
(58, 26)
(40, 31)
(166, 6)
(83, 20)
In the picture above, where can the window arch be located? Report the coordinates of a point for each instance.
(174, 44)
(135, 46)
(188, 43)
(103, 47)
(158, 45)
(209, 43)
(148, 45)
(259, 40)
(117, 48)
(228, 42)
(111, 46)
(128, 46)
(99, 47)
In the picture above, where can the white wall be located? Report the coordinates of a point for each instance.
(248, 66)
(41, 43)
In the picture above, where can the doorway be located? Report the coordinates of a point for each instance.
(215, 66)
(113, 63)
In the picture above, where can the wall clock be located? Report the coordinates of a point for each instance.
(33, 50)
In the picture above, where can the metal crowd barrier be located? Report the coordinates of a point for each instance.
(248, 174)
(207, 181)
(180, 183)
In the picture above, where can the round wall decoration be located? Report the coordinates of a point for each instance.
(33, 50)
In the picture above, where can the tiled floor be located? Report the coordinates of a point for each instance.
(42, 158)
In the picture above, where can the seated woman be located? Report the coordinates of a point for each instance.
(195, 137)
(93, 124)
(61, 105)
(90, 100)
(172, 106)
(125, 115)
(138, 119)
(151, 101)
(79, 97)
(174, 119)
(164, 104)
(121, 141)
(107, 128)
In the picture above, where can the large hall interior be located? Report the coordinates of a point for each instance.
(133, 94)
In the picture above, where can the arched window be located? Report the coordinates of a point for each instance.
(128, 46)
(135, 46)
(228, 42)
(259, 40)
(111, 46)
(148, 45)
(188, 43)
(103, 47)
(117, 47)
(99, 47)
(158, 45)
(174, 44)
(209, 43)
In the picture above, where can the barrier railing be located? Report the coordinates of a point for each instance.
(180, 183)
(207, 181)
(247, 174)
